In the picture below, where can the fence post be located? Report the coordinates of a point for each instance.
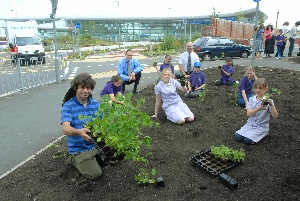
(20, 75)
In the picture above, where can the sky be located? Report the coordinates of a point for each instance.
(288, 11)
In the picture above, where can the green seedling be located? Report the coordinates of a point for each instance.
(226, 153)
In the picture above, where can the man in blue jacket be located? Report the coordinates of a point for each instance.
(130, 70)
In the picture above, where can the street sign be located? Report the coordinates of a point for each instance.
(77, 25)
(256, 0)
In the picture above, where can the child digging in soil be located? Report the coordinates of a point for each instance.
(257, 126)
(226, 73)
(246, 87)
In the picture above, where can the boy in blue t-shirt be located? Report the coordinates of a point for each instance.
(196, 82)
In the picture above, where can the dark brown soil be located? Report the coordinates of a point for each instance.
(271, 170)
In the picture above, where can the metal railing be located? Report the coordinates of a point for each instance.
(23, 75)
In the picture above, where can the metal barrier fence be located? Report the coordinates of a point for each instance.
(15, 77)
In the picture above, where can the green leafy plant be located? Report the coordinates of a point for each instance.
(203, 94)
(119, 126)
(226, 153)
(268, 95)
(155, 61)
(145, 177)
(234, 95)
(223, 54)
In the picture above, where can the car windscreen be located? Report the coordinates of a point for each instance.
(198, 42)
(28, 41)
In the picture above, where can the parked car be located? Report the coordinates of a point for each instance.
(208, 48)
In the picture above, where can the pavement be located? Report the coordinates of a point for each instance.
(29, 121)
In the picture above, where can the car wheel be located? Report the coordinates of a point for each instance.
(206, 57)
(244, 54)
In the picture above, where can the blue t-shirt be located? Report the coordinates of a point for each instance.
(110, 88)
(246, 85)
(197, 79)
(279, 38)
(70, 113)
(224, 77)
(163, 66)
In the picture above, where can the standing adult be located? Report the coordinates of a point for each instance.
(130, 70)
(269, 41)
(259, 41)
(186, 62)
(81, 150)
(293, 33)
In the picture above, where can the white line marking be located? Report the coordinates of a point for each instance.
(31, 157)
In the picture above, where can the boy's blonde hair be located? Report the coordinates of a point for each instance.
(260, 83)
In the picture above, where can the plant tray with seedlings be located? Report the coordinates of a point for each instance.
(215, 166)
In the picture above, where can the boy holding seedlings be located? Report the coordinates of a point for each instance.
(81, 150)
(196, 82)
(258, 112)
(246, 87)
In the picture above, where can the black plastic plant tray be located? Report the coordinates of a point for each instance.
(214, 166)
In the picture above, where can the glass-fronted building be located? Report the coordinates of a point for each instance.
(135, 29)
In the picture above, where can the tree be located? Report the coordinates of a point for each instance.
(214, 14)
(240, 15)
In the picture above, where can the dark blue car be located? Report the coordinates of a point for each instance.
(208, 48)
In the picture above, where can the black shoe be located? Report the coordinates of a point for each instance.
(123, 91)
(136, 92)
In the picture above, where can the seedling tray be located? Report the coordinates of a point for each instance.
(214, 166)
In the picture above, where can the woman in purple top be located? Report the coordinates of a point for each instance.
(113, 88)
(196, 81)
(226, 73)
(175, 109)
(257, 126)
(166, 64)
(246, 87)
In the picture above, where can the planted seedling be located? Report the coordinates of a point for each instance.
(203, 94)
(145, 177)
(226, 153)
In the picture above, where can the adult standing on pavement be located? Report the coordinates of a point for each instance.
(130, 70)
(293, 33)
(186, 62)
(81, 150)
(259, 41)
(269, 41)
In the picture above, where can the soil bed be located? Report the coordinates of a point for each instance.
(271, 170)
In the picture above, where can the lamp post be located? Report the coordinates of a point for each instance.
(255, 32)
(54, 8)
(119, 24)
(277, 18)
